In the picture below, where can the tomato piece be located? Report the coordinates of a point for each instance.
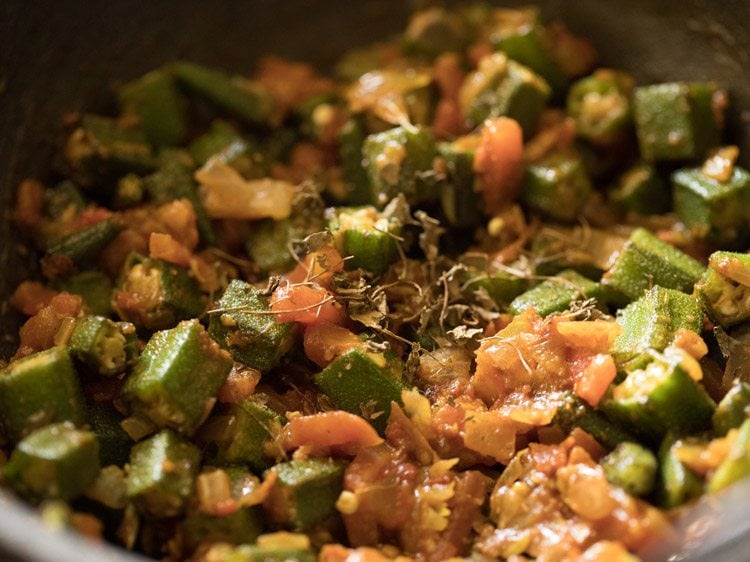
(324, 342)
(306, 304)
(337, 430)
(498, 162)
(318, 266)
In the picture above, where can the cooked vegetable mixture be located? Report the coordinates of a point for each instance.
(472, 297)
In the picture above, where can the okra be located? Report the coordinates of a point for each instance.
(366, 237)
(175, 382)
(103, 346)
(501, 286)
(83, 246)
(37, 390)
(364, 384)
(400, 161)
(304, 492)
(503, 87)
(460, 201)
(434, 31)
(573, 412)
(660, 397)
(238, 96)
(254, 553)
(57, 461)
(521, 36)
(357, 183)
(733, 409)
(159, 106)
(63, 201)
(640, 190)
(162, 474)
(214, 141)
(678, 121)
(556, 294)
(652, 321)
(93, 286)
(600, 106)
(268, 245)
(736, 466)
(587, 250)
(154, 294)
(114, 444)
(100, 151)
(412, 94)
(558, 187)
(645, 261)
(244, 325)
(724, 288)
(632, 467)
(677, 483)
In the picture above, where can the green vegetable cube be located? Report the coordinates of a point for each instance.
(640, 190)
(175, 381)
(678, 121)
(55, 462)
(712, 209)
(364, 384)
(366, 237)
(104, 346)
(460, 201)
(114, 443)
(162, 474)
(733, 409)
(573, 412)
(93, 286)
(37, 390)
(305, 492)
(557, 187)
(356, 181)
(724, 288)
(501, 286)
(632, 467)
(268, 245)
(63, 200)
(600, 106)
(677, 483)
(556, 294)
(247, 329)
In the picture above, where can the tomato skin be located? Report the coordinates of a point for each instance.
(318, 266)
(498, 162)
(337, 430)
(306, 304)
(324, 342)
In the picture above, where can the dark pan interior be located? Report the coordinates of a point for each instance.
(63, 56)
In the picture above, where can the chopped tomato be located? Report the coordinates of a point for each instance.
(318, 266)
(40, 332)
(164, 247)
(325, 341)
(448, 121)
(337, 431)
(240, 384)
(31, 296)
(594, 379)
(498, 162)
(29, 204)
(306, 304)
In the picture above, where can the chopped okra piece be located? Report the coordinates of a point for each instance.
(660, 397)
(255, 553)
(678, 121)
(724, 288)
(434, 31)
(641, 190)
(557, 187)
(645, 261)
(305, 492)
(243, 324)
(733, 409)
(100, 150)
(556, 294)
(162, 474)
(585, 249)
(713, 209)
(600, 106)
(367, 236)
(159, 106)
(114, 444)
(105, 347)
(356, 181)
(93, 286)
(503, 87)
(268, 245)
(677, 483)
(37, 390)
(242, 434)
(155, 294)
(175, 382)
(214, 141)
(652, 322)
(83, 246)
(364, 384)
(400, 161)
(460, 201)
(521, 36)
(573, 412)
(63, 201)
(632, 467)
(501, 286)
(238, 96)
(736, 465)
(55, 462)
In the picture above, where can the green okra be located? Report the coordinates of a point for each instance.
(724, 289)
(573, 412)
(157, 103)
(459, 199)
(175, 382)
(710, 208)
(632, 467)
(154, 294)
(114, 444)
(736, 465)
(557, 187)
(556, 294)
(103, 346)
(37, 390)
(93, 286)
(652, 322)
(83, 246)
(501, 286)
(366, 238)
(244, 325)
(241, 98)
(733, 409)
(364, 384)
(162, 474)
(305, 492)
(268, 244)
(57, 461)
(400, 161)
(678, 121)
(356, 181)
(503, 87)
(640, 190)
(433, 31)
(645, 261)
(677, 483)
(600, 106)
(63, 200)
